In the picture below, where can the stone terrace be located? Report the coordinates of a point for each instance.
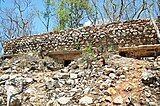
(117, 34)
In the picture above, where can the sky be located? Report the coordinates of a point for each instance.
(36, 5)
(39, 5)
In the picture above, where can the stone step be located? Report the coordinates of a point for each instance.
(140, 51)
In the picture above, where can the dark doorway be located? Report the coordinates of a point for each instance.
(66, 63)
(122, 54)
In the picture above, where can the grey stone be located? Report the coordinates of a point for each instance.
(147, 74)
(14, 67)
(153, 104)
(26, 69)
(118, 100)
(125, 68)
(122, 76)
(148, 77)
(65, 70)
(73, 76)
(52, 103)
(70, 82)
(86, 90)
(29, 80)
(9, 70)
(2, 90)
(52, 84)
(4, 77)
(11, 89)
(5, 67)
(80, 74)
(64, 100)
(15, 102)
(86, 100)
(50, 66)
(112, 75)
(109, 70)
(148, 94)
(61, 75)
(1, 101)
(31, 90)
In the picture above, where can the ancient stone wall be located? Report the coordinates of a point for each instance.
(128, 33)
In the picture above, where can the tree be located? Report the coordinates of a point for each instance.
(96, 14)
(46, 15)
(158, 3)
(1, 1)
(16, 21)
(117, 10)
(70, 13)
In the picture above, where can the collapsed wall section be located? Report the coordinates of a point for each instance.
(123, 34)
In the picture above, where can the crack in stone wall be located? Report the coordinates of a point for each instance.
(123, 34)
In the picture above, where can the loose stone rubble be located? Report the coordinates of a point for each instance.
(94, 79)
(26, 80)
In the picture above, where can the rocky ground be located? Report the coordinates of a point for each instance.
(105, 80)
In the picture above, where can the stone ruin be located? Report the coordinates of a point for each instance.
(116, 34)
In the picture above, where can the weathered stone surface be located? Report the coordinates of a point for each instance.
(118, 100)
(148, 77)
(64, 100)
(96, 84)
(106, 34)
(86, 100)
(73, 76)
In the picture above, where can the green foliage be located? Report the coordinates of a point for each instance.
(110, 48)
(63, 15)
(89, 49)
(83, 4)
(77, 45)
(70, 12)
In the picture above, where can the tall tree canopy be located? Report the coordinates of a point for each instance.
(70, 13)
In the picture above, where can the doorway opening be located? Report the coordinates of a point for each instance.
(67, 62)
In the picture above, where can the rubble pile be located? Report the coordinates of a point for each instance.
(103, 80)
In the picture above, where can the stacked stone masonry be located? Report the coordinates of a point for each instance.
(128, 33)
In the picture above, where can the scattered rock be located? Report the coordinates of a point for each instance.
(112, 75)
(98, 83)
(118, 100)
(147, 94)
(122, 76)
(52, 103)
(65, 70)
(108, 99)
(52, 84)
(29, 80)
(86, 100)
(86, 90)
(73, 76)
(4, 77)
(148, 77)
(5, 67)
(111, 91)
(15, 102)
(31, 91)
(104, 85)
(61, 75)
(64, 100)
(109, 70)
(153, 104)
(70, 82)
(1, 101)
